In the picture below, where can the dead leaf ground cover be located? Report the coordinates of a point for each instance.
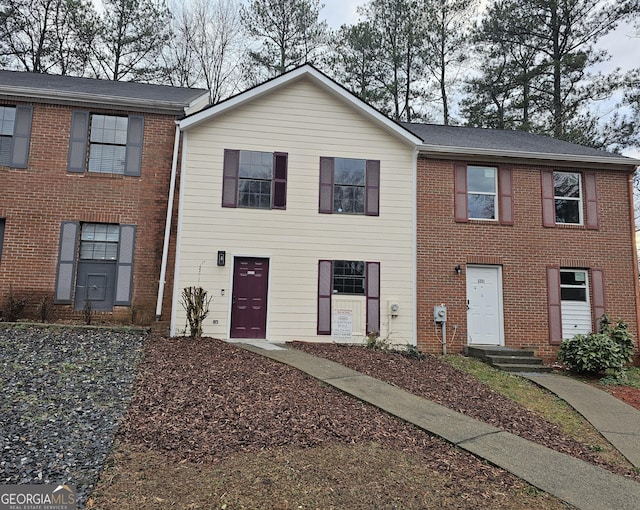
(213, 426)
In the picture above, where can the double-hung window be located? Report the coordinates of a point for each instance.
(569, 198)
(105, 144)
(254, 179)
(483, 192)
(349, 277)
(7, 121)
(15, 135)
(108, 144)
(567, 194)
(349, 186)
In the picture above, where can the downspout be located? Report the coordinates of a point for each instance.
(167, 225)
(636, 285)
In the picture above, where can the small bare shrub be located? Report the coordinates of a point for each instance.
(45, 308)
(196, 303)
(15, 307)
(87, 311)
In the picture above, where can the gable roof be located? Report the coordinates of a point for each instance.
(306, 71)
(470, 141)
(106, 93)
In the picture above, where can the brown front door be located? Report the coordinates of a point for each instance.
(249, 298)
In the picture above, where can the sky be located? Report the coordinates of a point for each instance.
(623, 48)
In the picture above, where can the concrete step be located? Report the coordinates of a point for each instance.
(521, 367)
(508, 358)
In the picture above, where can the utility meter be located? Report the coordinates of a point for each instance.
(440, 313)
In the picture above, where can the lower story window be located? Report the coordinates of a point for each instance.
(349, 277)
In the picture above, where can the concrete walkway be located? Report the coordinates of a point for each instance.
(614, 419)
(579, 483)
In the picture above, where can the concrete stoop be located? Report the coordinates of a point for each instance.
(508, 358)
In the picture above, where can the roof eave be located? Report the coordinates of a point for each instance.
(106, 101)
(439, 150)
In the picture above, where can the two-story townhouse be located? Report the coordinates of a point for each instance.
(309, 215)
(85, 169)
(297, 215)
(526, 239)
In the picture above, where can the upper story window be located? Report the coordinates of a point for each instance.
(106, 144)
(567, 194)
(254, 179)
(569, 198)
(349, 186)
(7, 121)
(15, 135)
(482, 192)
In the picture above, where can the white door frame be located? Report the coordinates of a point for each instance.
(500, 303)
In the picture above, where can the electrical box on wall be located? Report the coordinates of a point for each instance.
(393, 309)
(440, 313)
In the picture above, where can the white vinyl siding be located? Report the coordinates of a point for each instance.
(308, 123)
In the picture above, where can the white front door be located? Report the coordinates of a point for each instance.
(484, 305)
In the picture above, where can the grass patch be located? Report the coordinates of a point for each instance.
(360, 476)
(541, 402)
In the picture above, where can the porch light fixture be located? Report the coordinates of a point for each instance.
(222, 255)
(458, 269)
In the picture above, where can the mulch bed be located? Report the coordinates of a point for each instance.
(438, 381)
(204, 400)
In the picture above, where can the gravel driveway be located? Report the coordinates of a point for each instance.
(63, 392)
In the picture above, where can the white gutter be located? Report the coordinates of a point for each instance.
(167, 225)
(573, 158)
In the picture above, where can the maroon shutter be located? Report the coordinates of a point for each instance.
(460, 192)
(325, 283)
(590, 200)
(279, 196)
(326, 185)
(372, 193)
(548, 200)
(597, 283)
(505, 188)
(230, 171)
(554, 304)
(373, 297)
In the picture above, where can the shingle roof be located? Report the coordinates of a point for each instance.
(46, 86)
(511, 142)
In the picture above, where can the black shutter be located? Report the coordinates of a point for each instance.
(325, 284)
(326, 185)
(135, 138)
(77, 160)
(66, 262)
(21, 137)
(230, 169)
(279, 195)
(372, 194)
(124, 275)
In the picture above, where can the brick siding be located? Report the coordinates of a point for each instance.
(524, 250)
(36, 200)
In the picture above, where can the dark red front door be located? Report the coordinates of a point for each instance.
(249, 299)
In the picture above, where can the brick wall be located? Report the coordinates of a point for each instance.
(524, 250)
(35, 201)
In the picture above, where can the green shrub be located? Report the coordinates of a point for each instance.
(608, 350)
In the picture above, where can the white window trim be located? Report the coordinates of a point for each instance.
(496, 202)
(578, 199)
